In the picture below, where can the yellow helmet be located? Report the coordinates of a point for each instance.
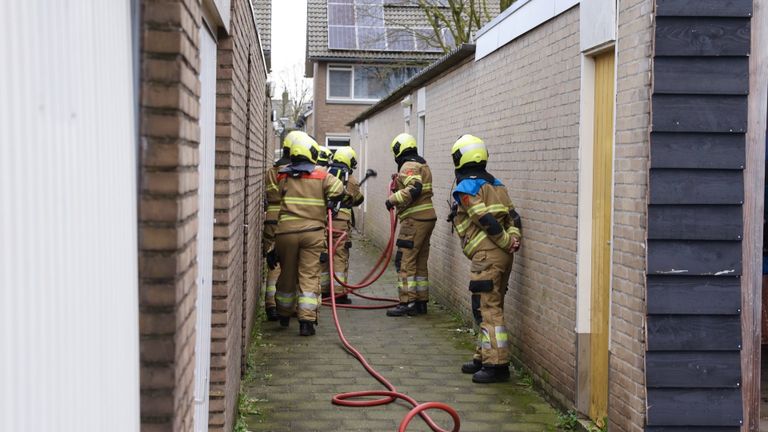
(324, 157)
(347, 156)
(469, 149)
(304, 147)
(288, 139)
(401, 143)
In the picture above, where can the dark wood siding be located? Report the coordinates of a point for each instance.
(695, 228)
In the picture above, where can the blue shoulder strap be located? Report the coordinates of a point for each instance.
(471, 186)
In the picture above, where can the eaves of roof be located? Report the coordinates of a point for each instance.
(427, 74)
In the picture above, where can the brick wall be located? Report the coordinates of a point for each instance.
(330, 118)
(240, 156)
(626, 401)
(524, 101)
(168, 209)
(168, 212)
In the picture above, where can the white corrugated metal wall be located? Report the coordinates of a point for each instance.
(68, 270)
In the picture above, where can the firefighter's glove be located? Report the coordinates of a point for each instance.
(389, 205)
(334, 206)
(272, 259)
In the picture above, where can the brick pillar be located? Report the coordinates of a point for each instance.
(168, 212)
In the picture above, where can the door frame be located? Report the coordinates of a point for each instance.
(754, 193)
(585, 205)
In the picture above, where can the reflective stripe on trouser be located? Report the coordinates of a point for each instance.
(412, 257)
(422, 288)
(300, 277)
(270, 290)
(489, 277)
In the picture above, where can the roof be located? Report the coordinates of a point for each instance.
(262, 11)
(394, 16)
(429, 73)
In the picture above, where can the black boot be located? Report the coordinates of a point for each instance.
(421, 307)
(344, 300)
(284, 321)
(306, 328)
(471, 367)
(491, 374)
(403, 309)
(272, 314)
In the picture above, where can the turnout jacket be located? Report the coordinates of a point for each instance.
(305, 192)
(273, 192)
(483, 218)
(413, 191)
(352, 198)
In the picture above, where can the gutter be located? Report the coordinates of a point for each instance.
(441, 65)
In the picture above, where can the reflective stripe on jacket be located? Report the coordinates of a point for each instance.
(489, 200)
(413, 192)
(304, 196)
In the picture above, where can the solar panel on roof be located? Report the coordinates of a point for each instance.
(399, 39)
(371, 38)
(341, 14)
(341, 37)
(424, 37)
(369, 15)
(360, 25)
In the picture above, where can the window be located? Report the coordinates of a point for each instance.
(334, 142)
(339, 82)
(365, 83)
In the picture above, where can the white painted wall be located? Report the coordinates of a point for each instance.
(597, 23)
(517, 20)
(69, 356)
(207, 179)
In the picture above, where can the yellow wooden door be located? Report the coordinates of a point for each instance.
(601, 234)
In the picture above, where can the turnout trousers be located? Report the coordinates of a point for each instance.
(302, 258)
(340, 259)
(490, 271)
(272, 274)
(411, 259)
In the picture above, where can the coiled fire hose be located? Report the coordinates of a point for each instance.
(391, 394)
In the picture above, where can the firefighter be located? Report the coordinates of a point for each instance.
(270, 224)
(324, 158)
(307, 192)
(412, 196)
(489, 228)
(343, 163)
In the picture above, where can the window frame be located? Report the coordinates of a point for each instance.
(344, 137)
(352, 99)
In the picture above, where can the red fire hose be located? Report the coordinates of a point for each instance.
(391, 394)
(377, 270)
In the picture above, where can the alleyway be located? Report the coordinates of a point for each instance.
(296, 377)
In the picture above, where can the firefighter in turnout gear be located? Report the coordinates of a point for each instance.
(412, 196)
(270, 225)
(323, 160)
(343, 163)
(307, 192)
(489, 228)
(324, 157)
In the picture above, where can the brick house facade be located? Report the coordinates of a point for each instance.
(331, 114)
(528, 90)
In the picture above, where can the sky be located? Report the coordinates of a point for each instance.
(289, 27)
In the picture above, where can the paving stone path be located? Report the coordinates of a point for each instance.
(295, 377)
